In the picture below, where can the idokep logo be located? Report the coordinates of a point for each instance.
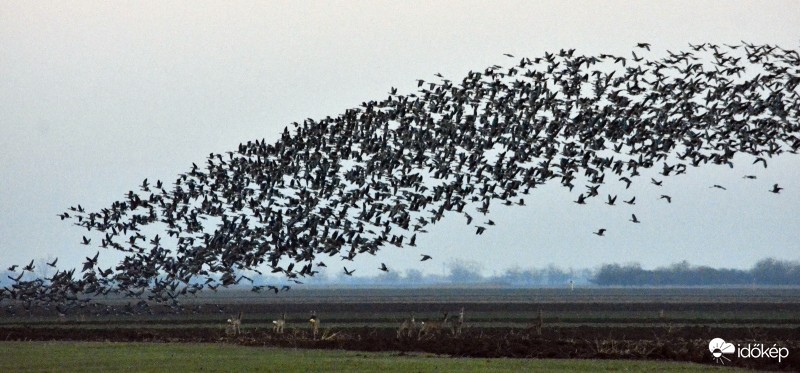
(719, 348)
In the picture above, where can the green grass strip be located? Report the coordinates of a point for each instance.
(176, 357)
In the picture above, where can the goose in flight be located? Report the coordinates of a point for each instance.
(600, 231)
(634, 219)
(295, 190)
(90, 262)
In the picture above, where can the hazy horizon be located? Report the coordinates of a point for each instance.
(98, 96)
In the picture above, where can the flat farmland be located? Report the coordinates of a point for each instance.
(195, 357)
(619, 323)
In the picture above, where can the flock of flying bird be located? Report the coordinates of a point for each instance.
(380, 173)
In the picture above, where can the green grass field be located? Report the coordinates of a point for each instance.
(175, 358)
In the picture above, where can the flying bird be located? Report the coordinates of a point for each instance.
(348, 184)
(90, 262)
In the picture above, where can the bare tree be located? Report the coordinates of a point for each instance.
(431, 327)
(408, 327)
(279, 324)
(314, 321)
(234, 326)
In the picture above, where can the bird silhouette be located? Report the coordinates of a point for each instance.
(90, 262)
(355, 183)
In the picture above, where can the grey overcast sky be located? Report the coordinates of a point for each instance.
(97, 96)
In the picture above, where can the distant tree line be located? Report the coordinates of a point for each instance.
(766, 272)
